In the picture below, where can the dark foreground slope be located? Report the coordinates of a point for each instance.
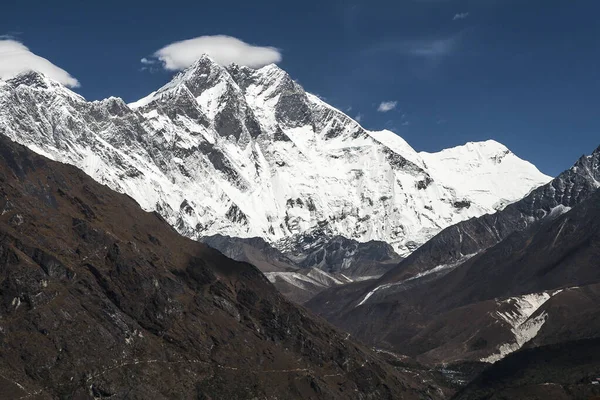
(100, 299)
(562, 371)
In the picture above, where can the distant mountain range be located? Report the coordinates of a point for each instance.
(248, 153)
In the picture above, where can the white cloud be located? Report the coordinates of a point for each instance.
(462, 15)
(358, 118)
(147, 61)
(16, 58)
(224, 50)
(386, 106)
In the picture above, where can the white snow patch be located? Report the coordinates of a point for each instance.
(293, 278)
(324, 277)
(434, 270)
(559, 210)
(486, 173)
(372, 292)
(142, 102)
(523, 327)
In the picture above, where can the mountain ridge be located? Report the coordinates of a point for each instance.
(244, 153)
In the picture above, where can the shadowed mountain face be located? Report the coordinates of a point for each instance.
(533, 280)
(100, 299)
(311, 262)
(255, 251)
(562, 371)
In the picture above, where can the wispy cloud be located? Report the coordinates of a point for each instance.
(462, 15)
(431, 48)
(358, 118)
(225, 50)
(421, 48)
(10, 35)
(386, 106)
(150, 64)
(17, 58)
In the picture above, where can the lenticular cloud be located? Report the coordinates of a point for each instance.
(225, 50)
(16, 58)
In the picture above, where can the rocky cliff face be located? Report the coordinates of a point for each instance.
(248, 153)
(99, 299)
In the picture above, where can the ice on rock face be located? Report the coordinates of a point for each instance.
(243, 152)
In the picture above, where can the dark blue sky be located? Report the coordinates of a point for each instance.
(523, 72)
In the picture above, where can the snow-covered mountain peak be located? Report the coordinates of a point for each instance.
(487, 149)
(269, 78)
(248, 153)
(589, 167)
(471, 167)
(203, 74)
(39, 82)
(114, 106)
(33, 79)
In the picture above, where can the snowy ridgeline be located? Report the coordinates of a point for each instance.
(395, 287)
(246, 153)
(313, 277)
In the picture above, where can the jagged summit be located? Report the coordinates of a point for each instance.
(248, 153)
(201, 74)
(32, 78)
(35, 81)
